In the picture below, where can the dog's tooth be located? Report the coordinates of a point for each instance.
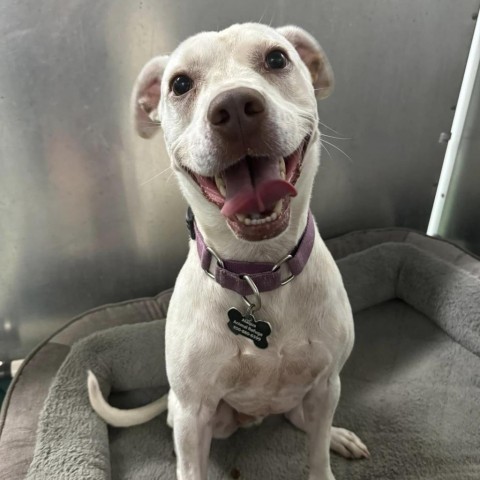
(278, 207)
(257, 218)
(221, 185)
(283, 170)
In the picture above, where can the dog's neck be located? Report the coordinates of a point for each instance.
(232, 274)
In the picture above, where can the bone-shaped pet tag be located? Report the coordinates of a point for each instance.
(247, 326)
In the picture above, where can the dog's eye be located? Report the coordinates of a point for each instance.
(181, 85)
(276, 60)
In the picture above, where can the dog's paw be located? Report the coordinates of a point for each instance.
(347, 444)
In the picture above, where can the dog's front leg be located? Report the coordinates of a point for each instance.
(319, 406)
(192, 432)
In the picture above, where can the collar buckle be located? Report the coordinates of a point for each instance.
(286, 258)
(219, 261)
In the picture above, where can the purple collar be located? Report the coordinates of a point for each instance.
(266, 276)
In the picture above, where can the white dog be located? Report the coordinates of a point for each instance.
(239, 115)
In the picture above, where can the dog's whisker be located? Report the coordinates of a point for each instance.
(263, 14)
(155, 176)
(170, 176)
(326, 149)
(307, 116)
(337, 148)
(271, 19)
(337, 138)
(330, 128)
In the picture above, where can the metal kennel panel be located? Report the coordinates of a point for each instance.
(90, 214)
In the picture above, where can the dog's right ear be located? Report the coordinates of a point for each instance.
(146, 97)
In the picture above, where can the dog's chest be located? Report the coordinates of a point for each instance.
(311, 334)
(274, 380)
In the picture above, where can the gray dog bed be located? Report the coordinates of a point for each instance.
(411, 389)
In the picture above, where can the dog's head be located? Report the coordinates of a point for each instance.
(239, 115)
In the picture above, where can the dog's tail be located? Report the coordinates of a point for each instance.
(122, 418)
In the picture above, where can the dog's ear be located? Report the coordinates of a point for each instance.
(146, 97)
(313, 57)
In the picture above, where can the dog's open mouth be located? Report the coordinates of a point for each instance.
(254, 193)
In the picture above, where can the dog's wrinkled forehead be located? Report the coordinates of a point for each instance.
(216, 61)
(216, 55)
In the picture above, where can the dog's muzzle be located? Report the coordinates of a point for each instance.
(253, 193)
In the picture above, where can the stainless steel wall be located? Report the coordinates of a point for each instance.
(90, 214)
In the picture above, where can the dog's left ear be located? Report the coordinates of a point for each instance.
(313, 57)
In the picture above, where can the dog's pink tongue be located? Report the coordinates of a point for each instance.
(254, 185)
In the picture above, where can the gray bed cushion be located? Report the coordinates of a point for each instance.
(27, 392)
(408, 389)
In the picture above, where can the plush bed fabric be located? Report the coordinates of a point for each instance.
(411, 388)
(29, 389)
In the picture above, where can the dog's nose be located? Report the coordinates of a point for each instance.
(239, 111)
